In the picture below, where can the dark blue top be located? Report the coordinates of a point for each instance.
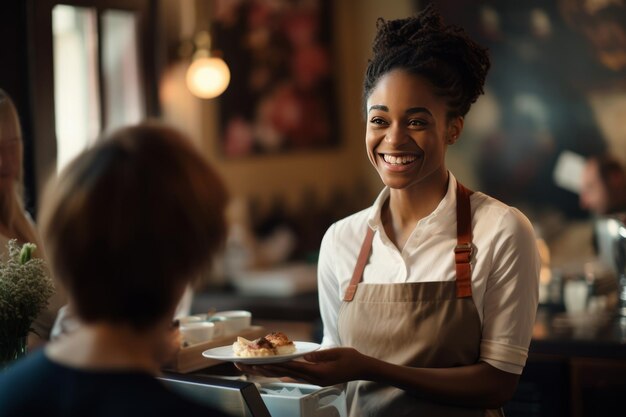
(36, 386)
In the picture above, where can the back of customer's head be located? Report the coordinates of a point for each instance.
(129, 222)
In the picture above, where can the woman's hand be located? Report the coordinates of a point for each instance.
(324, 367)
(478, 385)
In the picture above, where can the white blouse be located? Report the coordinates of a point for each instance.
(505, 268)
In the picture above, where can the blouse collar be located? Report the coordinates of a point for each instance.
(447, 203)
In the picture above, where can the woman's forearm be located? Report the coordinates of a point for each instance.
(480, 385)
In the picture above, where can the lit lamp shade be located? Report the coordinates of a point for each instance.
(208, 77)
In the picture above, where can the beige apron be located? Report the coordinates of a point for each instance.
(429, 324)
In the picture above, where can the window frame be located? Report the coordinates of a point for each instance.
(41, 72)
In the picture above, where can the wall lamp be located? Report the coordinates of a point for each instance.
(208, 75)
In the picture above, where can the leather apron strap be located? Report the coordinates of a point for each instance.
(462, 250)
(357, 274)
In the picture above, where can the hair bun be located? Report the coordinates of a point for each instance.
(425, 45)
(405, 32)
(388, 35)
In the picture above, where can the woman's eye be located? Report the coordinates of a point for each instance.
(377, 121)
(417, 122)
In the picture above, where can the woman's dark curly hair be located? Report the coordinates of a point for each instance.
(443, 54)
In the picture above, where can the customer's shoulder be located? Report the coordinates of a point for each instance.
(22, 383)
(36, 382)
(24, 368)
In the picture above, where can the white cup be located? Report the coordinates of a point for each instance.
(197, 332)
(190, 319)
(233, 321)
(575, 295)
(220, 324)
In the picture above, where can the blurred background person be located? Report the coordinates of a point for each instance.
(15, 222)
(127, 225)
(603, 186)
(603, 194)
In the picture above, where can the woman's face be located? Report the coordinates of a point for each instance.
(408, 130)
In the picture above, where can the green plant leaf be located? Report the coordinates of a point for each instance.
(27, 252)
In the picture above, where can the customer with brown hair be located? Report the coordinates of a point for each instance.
(127, 225)
(15, 222)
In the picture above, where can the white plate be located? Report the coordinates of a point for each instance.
(226, 354)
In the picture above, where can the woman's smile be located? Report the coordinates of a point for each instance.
(400, 162)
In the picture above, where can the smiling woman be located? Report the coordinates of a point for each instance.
(437, 316)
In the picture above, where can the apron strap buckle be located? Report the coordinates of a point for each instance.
(463, 252)
(462, 257)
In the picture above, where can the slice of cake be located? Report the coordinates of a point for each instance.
(281, 343)
(275, 343)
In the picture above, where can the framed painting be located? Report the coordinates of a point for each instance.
(281, 97)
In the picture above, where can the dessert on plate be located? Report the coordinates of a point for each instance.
(275, 343)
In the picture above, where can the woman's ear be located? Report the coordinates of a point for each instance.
(455, 127)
